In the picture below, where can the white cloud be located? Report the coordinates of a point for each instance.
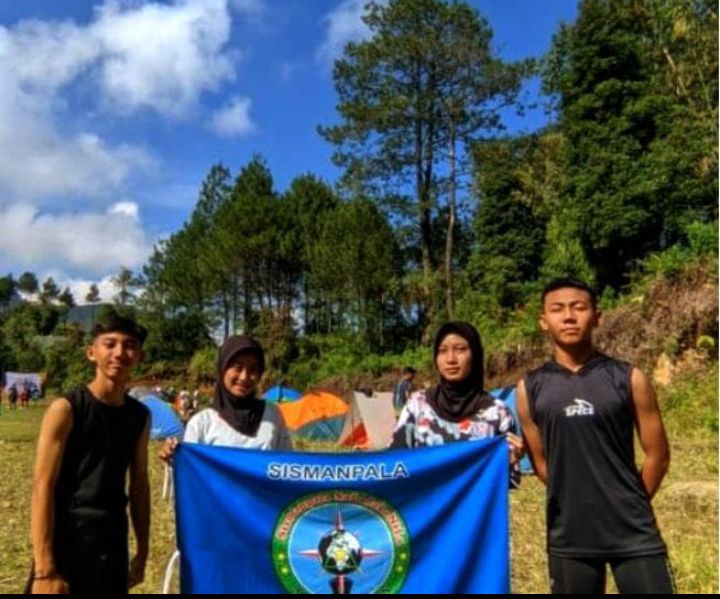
(137, 55)
(92, 242)
(36, 60)
(44, 56)
(78, 287)
(233, 120)
(344, 24)
(38, 160)
(133, 55)
(129, 209)
(153, 55)
(163, 56)
(81, 287)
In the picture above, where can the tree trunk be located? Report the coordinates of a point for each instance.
(423, 170)
(226, 313)
(247, 307)
(235, 302)
(449, 297)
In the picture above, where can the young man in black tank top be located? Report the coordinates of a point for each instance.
(88, 442)
(578, 414)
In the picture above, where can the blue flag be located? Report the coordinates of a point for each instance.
(431, 520)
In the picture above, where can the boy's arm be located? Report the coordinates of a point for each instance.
(531, 433)
(54, 432)
(651, 432)
(140, 506)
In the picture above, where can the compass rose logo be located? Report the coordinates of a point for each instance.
(341, 542)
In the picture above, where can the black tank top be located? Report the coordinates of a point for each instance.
(597, 505)
(98, 453)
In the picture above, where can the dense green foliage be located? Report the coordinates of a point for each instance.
(437, 213)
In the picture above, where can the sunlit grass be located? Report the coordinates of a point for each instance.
(686, 506)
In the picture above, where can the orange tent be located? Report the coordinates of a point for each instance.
(318, 415)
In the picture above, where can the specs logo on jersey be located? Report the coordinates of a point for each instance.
(580, 408)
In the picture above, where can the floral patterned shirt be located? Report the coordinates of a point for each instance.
(420, 426)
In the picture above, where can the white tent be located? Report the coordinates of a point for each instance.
(32, 381)
(370, 421)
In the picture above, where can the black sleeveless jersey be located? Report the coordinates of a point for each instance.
(597, 505)
(92, 480)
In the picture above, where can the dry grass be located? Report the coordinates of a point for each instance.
(670, 317)
(686, 506)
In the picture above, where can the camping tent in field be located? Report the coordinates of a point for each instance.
(318, 416)
(30, 380)
(142, 392)
(370, 421)
(165, 421)
(508, 396)
(280, 393)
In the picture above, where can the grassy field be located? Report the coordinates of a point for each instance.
(686, 506)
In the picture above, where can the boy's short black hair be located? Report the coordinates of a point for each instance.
(120, 324)
(571, 283)
(408, 370)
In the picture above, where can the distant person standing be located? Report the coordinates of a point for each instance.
(24, 396)
(579, 413)
(35, 393)
(12, 397)
(185, 407)
(404, 388)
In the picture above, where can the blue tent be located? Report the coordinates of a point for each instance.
(282, 393)
(322, 430)
(165, 421)
(508, 397)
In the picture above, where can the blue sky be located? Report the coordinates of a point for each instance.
(113, 111)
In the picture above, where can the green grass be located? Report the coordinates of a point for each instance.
(20, 425)
(686, 506)
(18, 434)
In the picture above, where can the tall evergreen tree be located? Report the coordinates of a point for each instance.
(126, 282)
(8, 291)
(28, 283)
(93, 298)
(308, 202)
(93, 295)
(356, 262)
(639, 161)
(423, 83)
(50, 291)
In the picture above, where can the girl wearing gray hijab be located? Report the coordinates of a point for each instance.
(237, 417)
(458, 408)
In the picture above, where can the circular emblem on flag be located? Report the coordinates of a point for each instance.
(341, 542)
